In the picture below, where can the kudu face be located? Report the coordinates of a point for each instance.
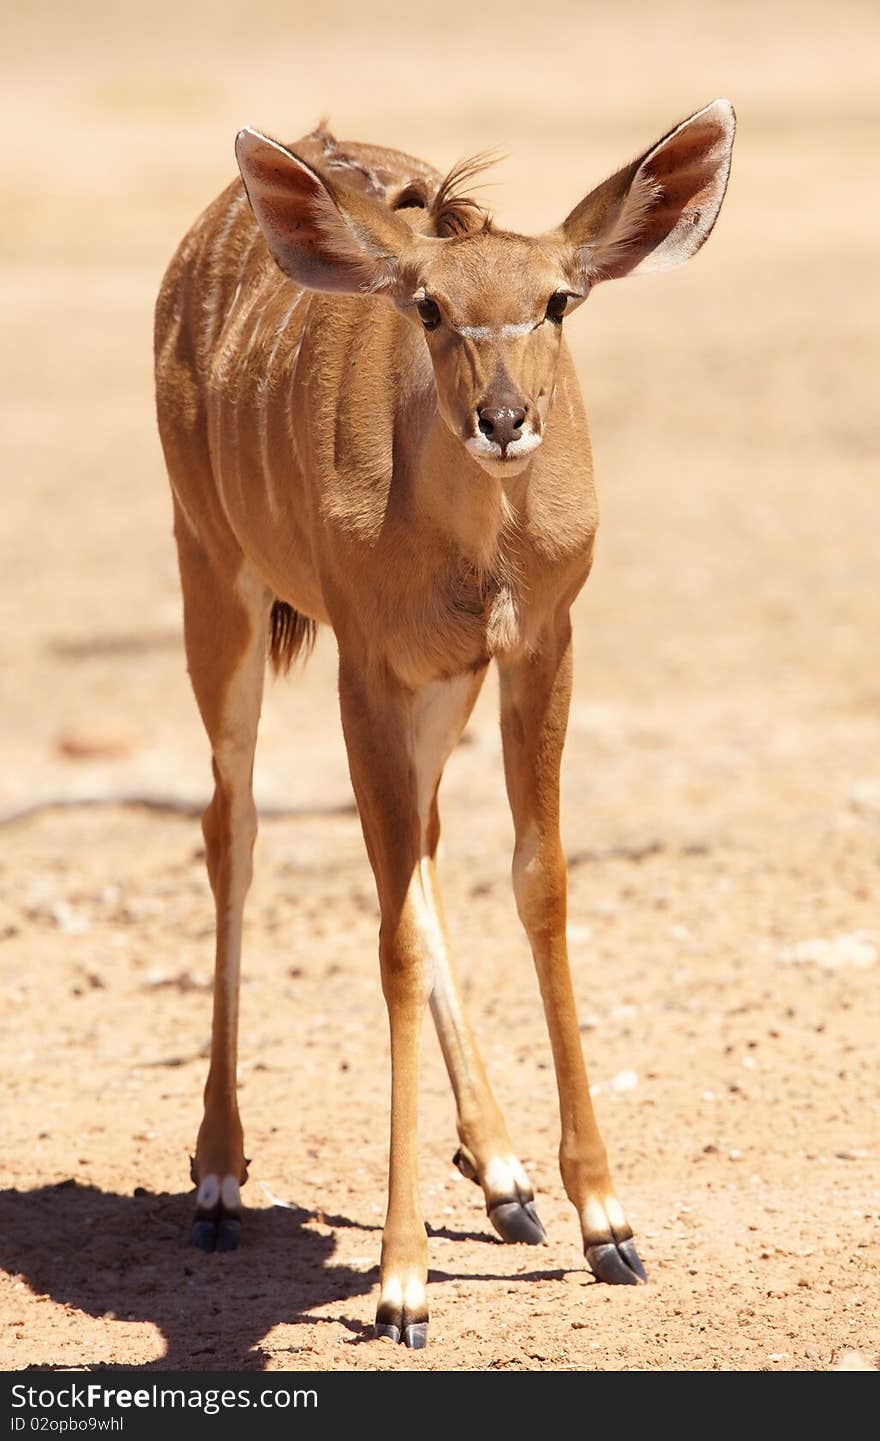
(491, 305)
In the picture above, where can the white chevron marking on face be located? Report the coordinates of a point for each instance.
(493, 332)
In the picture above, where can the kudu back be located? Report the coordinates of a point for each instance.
(371, 421)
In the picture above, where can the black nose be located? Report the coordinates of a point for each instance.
(502, 423)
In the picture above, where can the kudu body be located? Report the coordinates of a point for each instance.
(371, 420)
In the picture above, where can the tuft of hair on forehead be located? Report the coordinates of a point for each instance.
(453, 211)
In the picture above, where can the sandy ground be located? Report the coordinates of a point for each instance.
(722, 783)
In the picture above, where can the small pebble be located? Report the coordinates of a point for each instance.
(68, 920)
(852, 1361)
(858, 949)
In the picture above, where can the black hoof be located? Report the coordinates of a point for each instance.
(204, 1235)
(628, 1250)
(218, 1232)
(617, 1264)
(415, 1336)
(412, 1334)
(517, 1221)
(228, 1233)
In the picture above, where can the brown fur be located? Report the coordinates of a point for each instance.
(388, 437)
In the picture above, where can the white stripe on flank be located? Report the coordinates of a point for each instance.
(264, 388)
(235, 351)
(233, 465)
(185, 516)
(493, 332)
(282, 329)
(212, 316)
(263, 427)
(258, 320)
(242, 267)
(288, 417)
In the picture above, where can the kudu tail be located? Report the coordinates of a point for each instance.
(290, 634)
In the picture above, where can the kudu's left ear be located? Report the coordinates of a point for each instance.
(324, 236)
(657, 212)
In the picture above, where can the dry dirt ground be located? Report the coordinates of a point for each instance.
(722, 783)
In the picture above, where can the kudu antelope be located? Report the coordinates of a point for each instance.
(371, 421)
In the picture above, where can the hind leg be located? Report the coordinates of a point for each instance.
(226, 619)
(485, 1154)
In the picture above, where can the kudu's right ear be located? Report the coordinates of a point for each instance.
(323, 237)
(655, 213)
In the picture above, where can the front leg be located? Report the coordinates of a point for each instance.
(535, 696)
(397, 742)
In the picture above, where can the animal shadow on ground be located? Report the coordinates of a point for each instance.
(127, 1257)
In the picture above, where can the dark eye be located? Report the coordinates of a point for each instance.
(556, 307)
(429, 314)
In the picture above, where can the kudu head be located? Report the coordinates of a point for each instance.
(490, 304)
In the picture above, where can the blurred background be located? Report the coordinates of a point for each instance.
(722, 779)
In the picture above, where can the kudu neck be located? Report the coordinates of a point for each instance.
(449, 492)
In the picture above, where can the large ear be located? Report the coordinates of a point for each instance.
(323, 236)
(658, 211)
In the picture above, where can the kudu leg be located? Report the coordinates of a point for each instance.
(535, 695)
(397, 745)
(225, 626)
(485, 1154)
